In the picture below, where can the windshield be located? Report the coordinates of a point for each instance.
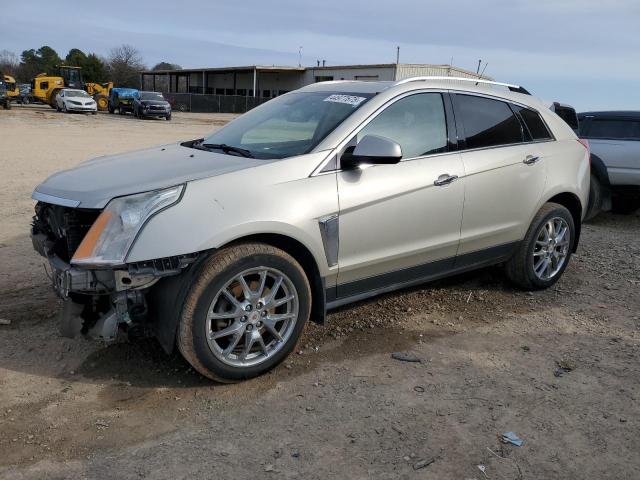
(151, 96)
(288, 125)
(75, 93)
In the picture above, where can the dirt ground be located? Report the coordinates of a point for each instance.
(340, 407)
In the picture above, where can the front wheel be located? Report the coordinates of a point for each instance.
(168, 117)
(244, 312)
(543, 255)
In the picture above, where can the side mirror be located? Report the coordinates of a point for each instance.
(371, 150)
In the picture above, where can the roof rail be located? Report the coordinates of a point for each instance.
(513, 88)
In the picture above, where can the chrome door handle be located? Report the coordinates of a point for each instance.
(530, 160)
(445, 179)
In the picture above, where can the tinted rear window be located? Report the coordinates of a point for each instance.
(615, 129)
(487, 122)
(534, 124)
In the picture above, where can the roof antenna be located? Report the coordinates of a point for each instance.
(482, 73)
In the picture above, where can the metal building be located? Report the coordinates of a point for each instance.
(237, 89)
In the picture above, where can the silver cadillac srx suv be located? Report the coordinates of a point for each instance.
(225, 246)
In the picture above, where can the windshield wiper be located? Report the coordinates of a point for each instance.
(227, 149)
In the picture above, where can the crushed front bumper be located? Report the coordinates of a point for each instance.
(98, 301)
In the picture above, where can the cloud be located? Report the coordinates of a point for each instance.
(551, 45)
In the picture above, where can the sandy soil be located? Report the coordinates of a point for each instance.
(340, 407)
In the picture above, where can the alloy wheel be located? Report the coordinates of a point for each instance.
(252, 316)
(551, 248)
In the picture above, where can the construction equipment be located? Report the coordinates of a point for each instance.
(9, 90)
(45, 87)
(4, 99)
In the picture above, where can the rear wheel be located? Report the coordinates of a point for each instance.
(543, 255)
(595, 198)
(244, 312)
(102, 101)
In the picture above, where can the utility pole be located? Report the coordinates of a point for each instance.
(300, 57)
(395, 75)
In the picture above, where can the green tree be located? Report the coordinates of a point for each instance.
(94, 69)
(166, 66)
(75, 58)
(43, 60)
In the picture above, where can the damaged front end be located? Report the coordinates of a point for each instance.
(99, 300)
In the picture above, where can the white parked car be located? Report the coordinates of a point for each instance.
(71, 100)
(225, 246)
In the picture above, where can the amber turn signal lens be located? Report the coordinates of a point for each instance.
(91, 238)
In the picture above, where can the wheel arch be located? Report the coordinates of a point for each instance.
(599, 170)
(305, 258)
(167, 297)
(572, 203)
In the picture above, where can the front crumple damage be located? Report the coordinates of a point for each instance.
(97, 302)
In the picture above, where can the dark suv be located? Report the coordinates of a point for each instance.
(151, 104)
(614, 138)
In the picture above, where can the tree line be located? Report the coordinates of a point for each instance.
(121, 66)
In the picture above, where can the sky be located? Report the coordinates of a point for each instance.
(582, 52)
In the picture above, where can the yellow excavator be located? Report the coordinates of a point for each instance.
(45, 87)
(10, 90)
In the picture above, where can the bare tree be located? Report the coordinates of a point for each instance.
(124, 64)
(9, 62)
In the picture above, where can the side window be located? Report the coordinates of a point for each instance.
(615, 129)
(487, 122)
(534, 124)
(416, 122)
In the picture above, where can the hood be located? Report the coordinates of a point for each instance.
(93, 183)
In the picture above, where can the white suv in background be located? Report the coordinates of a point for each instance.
(225, 246)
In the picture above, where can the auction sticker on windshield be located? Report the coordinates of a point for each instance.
(348, 99)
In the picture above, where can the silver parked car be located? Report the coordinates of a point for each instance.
(72, 100)
(225, 246)
(614, 140)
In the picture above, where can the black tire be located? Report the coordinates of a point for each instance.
(594, 207)
(520, 267)
(168, 117)
(111, 109)
(121, 111)
(215, 273)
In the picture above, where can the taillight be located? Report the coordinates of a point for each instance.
(585, 144)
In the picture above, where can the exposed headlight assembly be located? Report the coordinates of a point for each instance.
(114, 231)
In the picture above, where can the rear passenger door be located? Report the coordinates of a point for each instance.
(505, 174)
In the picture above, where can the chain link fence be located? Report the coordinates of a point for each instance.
(202, 103)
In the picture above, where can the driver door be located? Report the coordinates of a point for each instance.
(401, 223)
